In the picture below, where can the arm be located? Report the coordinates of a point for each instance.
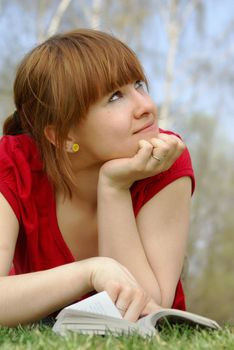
(119, 238)
(163, 225)
(139, 244)
(29, 297)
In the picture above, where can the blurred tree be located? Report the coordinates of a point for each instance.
(55, 20)
(175, 15)
(210, 272)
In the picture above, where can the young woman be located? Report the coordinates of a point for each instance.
(93, 196)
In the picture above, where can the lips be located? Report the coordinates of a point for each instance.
(144, 127)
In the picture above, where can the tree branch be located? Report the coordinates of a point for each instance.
(56, 19)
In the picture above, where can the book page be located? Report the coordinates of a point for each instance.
(99, 303)
(177, 316)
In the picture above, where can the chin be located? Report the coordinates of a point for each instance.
(128, 151)
(148, 135)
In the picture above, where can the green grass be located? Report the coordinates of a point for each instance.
(177, 338)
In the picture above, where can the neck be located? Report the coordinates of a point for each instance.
(84, 190)
(86, 185)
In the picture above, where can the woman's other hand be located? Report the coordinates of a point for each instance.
(128, 296)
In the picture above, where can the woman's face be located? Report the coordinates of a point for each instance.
(115, 124)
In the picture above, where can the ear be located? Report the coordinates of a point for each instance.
(49, 132)
(70, 146)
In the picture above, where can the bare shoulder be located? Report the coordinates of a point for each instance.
(175, 194)
(9, 228)
(167, 212)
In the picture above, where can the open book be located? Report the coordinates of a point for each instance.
(99, 315)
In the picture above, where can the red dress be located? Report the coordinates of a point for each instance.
(23, 182)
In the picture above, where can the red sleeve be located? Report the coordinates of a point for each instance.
(8, 175)
(19, 159)
(25, 185)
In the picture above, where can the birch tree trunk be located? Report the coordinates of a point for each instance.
(55, 20)
(174, 15)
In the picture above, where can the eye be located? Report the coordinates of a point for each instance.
(115, 96)
(140, 84)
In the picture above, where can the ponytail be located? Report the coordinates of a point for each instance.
(12, 125)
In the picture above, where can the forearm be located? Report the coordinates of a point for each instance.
(119, 237)
(29, 297)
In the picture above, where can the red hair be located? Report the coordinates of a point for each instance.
(59, 80)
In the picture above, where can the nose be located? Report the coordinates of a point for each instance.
(143, 105)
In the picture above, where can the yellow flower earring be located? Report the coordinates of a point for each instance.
(75, 147)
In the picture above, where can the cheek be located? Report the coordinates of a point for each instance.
(121, 142)
(121, 145)
(128, 148)
(111, 144)
(117, 146)
(116, 140)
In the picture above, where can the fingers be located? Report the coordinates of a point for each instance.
(136, 307)
(161, 149)
(124, 300)
(159, 153)
(128, 296)
(144, 152)
(171, 144)
(130, 299)
(150, 307)
(153, 157)
(166, 149)
(131, 302)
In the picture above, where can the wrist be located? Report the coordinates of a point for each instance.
(93, 264)
(82, 275)
(108, 192)
(109, 185)
(97, 266)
